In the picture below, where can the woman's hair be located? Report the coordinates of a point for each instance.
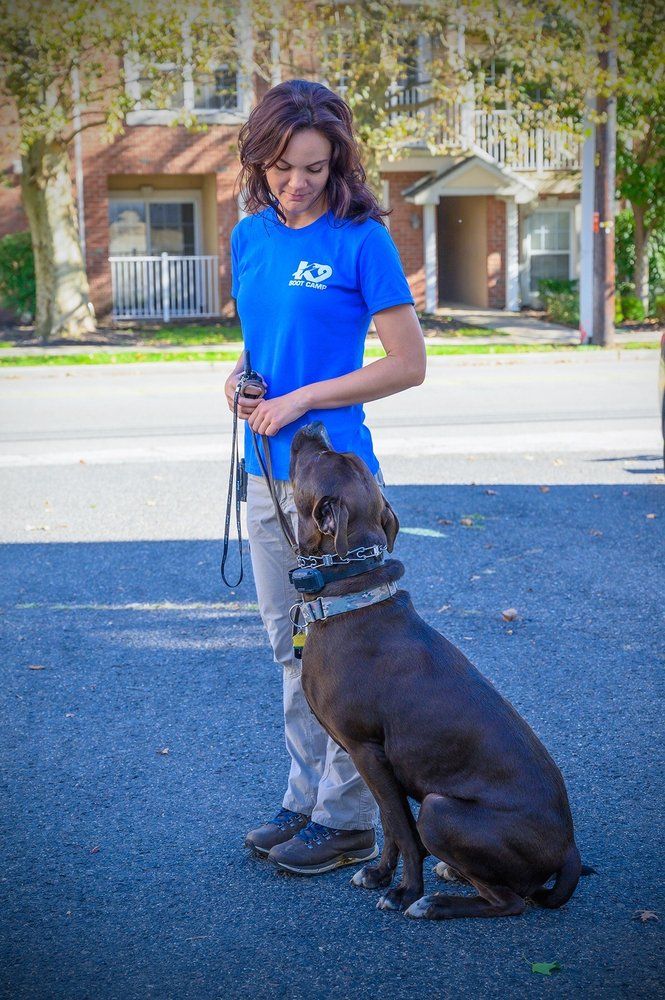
(284, 110)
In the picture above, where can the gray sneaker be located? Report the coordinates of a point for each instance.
(316, 849)
(282, 827)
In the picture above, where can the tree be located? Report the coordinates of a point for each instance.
(61, 68)
(641, 148)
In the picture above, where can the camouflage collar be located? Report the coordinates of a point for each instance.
(327, 607)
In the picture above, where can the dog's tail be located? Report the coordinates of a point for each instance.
(566, 882)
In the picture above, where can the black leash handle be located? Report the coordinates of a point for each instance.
(237, 471)
(252, 386)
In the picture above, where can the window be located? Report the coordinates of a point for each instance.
(151, 227)
(172, 82)
(127, 226)
(548, 246)
(206, 94)
(216, 91)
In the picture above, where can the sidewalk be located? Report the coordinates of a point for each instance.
(518, 328)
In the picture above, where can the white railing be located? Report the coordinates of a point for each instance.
(165, 287)
(504, 135)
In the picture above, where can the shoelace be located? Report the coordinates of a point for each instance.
(315, 833)
(284, 818)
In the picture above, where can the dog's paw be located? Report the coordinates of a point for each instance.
(398, 898)
(421, 908)
(371, 877)
(445, 871)
(386, 903)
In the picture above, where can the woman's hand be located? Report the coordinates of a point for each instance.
(246, 406)
(270, 415)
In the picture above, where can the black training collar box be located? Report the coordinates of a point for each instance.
(307, 581)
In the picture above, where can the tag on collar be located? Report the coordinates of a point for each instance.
(298, 644)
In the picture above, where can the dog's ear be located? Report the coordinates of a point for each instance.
(390, 524)
(332, 518)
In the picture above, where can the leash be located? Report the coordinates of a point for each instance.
(312, 573)
(250, 385)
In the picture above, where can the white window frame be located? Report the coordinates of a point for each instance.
(165, 116)
(527, 294)
(164, 196)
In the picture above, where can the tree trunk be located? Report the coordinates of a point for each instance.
(641, 272)
(63, 304)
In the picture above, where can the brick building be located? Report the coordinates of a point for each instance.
(479, 226)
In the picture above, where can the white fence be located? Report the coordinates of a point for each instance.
(509, 141)
(506, 136)
(165, 287)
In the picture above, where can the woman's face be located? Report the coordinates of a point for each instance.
(298, 178)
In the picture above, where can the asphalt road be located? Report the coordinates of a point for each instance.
(134, 760)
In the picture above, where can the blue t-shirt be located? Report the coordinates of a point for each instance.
(305, 298)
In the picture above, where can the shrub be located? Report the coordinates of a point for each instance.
(561, 300)
(17, 274)
(659, 307)
(632, 308)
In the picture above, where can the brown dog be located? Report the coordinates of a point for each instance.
(419, 720)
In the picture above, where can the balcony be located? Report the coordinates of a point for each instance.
(165, 287)
(502, 135)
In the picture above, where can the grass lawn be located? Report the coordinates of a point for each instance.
(183, 336)
(132, 357)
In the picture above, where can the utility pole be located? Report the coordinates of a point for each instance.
(605, 184)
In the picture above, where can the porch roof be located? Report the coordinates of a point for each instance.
(476, 174)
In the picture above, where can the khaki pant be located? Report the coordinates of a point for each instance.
(323, 782)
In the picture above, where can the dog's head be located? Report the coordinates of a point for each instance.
(340, 505)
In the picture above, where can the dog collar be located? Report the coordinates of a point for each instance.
(314, 579)
(354, 555)
(327, 607)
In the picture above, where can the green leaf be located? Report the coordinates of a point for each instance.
(545, 968)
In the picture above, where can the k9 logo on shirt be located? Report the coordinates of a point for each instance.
(311, 275)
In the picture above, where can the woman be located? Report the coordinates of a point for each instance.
(312, 263)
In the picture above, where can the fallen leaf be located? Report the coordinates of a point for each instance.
(36, 666)
(509, 615)
(467, 522)
(95, 850)
(82, 461)
(645, 915)
(545, 968)
(37, 527)
(557, 461)
(544, 489)
(164, 750)
(443, 520)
